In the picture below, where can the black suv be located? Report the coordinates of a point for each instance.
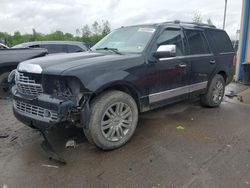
(132, 70)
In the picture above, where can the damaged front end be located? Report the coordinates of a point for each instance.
(43, 101)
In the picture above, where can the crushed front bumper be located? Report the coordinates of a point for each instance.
(42, 111)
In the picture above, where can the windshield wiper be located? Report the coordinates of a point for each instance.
(110, 49)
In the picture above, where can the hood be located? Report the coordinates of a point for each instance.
(58, 64)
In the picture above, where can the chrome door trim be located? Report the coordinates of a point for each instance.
(186, 56)
(156, 97)
(227, 53)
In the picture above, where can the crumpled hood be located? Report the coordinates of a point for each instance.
(58, 64)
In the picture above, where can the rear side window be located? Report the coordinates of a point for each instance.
(219, 41)
(197, 42)
(74, 48)
(55, 48)
(172, 36)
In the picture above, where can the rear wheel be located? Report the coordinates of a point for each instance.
(4, 85)
(113, 120)
(215, 92)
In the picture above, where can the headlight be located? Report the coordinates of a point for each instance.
(31, 68)
(62, 86)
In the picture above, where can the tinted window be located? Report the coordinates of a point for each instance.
(172, 37)
(55, 48)
(219, 41)
(197, 42)
(74, 48)
(34, 46)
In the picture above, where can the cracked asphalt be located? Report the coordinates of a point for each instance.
(211, 151)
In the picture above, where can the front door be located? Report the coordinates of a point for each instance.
(169, 77)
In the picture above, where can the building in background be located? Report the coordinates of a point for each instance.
(243, 55)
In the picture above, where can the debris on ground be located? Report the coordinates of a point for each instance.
(180, 127)
(192, 119)
(13, 138)
(70, 144)
(50, 166)
(231, 94)
(4, 135)
(240, 98)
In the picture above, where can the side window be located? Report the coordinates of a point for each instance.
(197, 42)
(74, 48)
(172, 36)
(55, 48)
(220, 41)
(35, 46)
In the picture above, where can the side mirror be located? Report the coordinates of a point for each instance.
(168, 50)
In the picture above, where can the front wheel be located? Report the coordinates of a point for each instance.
(113, 120)
(215, 92)
(4, 85)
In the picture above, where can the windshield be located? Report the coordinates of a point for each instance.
(128, 39)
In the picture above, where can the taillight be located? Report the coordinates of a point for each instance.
(234, 60)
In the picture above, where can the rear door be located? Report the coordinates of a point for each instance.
(223, 51)
(201, 59)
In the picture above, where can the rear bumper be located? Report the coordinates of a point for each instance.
(42, 111)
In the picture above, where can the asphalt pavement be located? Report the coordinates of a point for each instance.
(182, 145)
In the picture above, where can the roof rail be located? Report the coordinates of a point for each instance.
(191, 23)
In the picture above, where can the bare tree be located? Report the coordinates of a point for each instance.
(197, 17)
(86, 31)
(78, 32)
(209, 21)
(105, 27)
(96, 28)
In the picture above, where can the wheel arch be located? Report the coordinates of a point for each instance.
(123, 86)
(223, 74)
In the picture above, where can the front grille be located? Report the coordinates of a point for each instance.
(35, 111)
(27, 85)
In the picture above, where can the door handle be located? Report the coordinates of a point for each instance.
(182, 65)
(212, 61)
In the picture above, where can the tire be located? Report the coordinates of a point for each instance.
(113, 120)
(215, 92)
(4, 85)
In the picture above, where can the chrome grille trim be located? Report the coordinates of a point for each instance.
(35, 111)
(26, 85)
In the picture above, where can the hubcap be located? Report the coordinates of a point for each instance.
(116, 121)
(218, 91)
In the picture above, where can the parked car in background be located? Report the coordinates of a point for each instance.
(2, 46)
(9, 59)
(132, 70)
(56, 46)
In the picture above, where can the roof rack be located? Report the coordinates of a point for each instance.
(191, 23)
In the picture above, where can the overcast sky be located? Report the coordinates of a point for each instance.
(68, 15)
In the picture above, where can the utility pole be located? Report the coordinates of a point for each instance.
(225, 14)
